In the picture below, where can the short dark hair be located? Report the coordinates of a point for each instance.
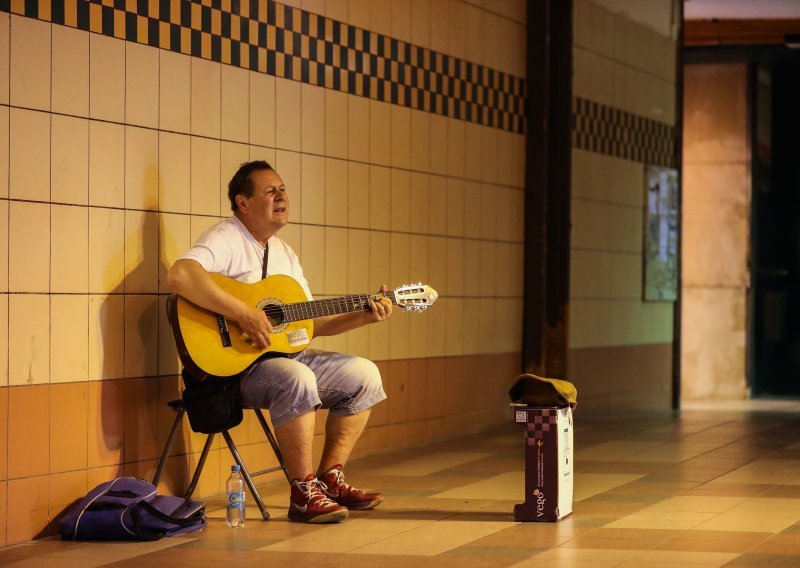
(241, 183)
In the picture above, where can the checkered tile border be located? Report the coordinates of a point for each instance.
(614, 132)
(270, 37)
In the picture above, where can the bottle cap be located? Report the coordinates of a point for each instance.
(235, 468)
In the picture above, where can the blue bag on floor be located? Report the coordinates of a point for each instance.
(128, 508)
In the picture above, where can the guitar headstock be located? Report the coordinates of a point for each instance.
(415, 297)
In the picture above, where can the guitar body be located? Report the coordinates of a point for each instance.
(201, 340)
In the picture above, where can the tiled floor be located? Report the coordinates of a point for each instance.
(705, 488)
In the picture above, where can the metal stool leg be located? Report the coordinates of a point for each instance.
(168, 447)
(250, 485)
(272, 442)
(199, 469)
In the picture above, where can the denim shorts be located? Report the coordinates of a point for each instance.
(314, 379)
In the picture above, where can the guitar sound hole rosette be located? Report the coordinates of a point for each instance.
(274, 310)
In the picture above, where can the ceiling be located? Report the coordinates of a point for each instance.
(741, 9)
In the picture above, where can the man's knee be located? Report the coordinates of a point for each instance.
(366, 373)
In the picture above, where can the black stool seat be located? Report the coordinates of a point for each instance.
(179, 407)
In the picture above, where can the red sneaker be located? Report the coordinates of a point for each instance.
(308, 503)
(338, 490)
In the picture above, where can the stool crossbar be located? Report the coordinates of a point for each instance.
(179, 407)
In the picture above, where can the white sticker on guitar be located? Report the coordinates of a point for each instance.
(297, 337)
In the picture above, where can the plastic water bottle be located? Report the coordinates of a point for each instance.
(235, 489)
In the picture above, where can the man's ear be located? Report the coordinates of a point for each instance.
(241, 202)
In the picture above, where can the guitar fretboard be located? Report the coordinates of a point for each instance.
(327, 307)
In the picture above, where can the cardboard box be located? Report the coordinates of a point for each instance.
(548, 462)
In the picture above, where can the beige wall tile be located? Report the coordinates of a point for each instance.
(358, 262)
(313, 189)
(106, 250)
(174, 240)
(437, 269)
(106, 164)
(488, 226)
(235, 103)
(106, 337)
(474, 208)
(504, 158)
(29, 246)
(28, 430)
(313, 6)
(69, 165)
(419, 260)
(312, 119)
(336, 9)
(4, 249)
(141, 252)
(141, 168)
(456, 134)
(472, 268)
(438, 205)
(4, 410)
(28, 501)
(457, 29)
(336, 189)
(5, 60)
(455, 207)
(5, 143)
(30, 63)
(261, 153)
(472, 150)
(69, 249)
(474, 30)
(359, 13)
(419, 221)
(70, 71)
(380, 181)
(313, 260)
(358, 128)
(174, 157)
(141, 344)
(438, 144)
(421, 22)
(358, 195)
(440, 14)
(231, 157)
(66, 488)
(199, 225)
(29, 345)
(175, 80)
(489, 171)
(488, 283)
(205, 98)
(381, 16)
(600, 274)
(455, 267)
(106, 423)
(400, 200)
(262, 109)
(141, 85)
(30, 131)
(288, 115)
(288, 166)
(604, 226)
(69, 336)
(68, 428)
(630, 322)
(205, 175)
(106, 78)
(420, 141)
(168, 361)
(336, 123)
(335, 250)
(401, 137)
(380, 132)
(400, 262)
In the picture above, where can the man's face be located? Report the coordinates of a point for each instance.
(269, 204)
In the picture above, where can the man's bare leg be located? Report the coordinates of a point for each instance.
(295, 439)
(341, 435)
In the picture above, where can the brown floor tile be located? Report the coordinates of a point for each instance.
(713, 541)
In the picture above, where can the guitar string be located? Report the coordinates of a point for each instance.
(328, 306)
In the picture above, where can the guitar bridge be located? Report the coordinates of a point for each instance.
(224, 334)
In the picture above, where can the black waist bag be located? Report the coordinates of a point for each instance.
(213, 404)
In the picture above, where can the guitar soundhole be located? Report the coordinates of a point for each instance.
(275, 313)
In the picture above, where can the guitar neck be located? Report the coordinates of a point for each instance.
(333, 306)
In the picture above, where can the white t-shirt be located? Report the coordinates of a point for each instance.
(228, 248)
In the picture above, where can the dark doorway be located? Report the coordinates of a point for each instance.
(776, 241)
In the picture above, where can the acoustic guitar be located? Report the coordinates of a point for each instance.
(208, 344)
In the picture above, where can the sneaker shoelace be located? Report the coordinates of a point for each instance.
(314, 491)
(341, 485)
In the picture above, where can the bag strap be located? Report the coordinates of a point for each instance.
(266, 259)
(165, 517)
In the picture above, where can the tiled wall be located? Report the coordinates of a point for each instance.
(114, 156)
(624, 110)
